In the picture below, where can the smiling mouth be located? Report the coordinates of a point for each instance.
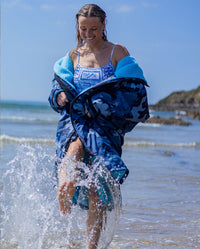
(90, 39)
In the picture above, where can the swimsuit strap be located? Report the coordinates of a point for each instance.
(112, 53)
(78, 55)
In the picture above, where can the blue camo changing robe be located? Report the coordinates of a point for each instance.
(116, 105)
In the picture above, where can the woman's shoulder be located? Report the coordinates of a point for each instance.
(73, 54)
(119, 53)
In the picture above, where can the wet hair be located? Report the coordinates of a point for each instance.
(90, 10)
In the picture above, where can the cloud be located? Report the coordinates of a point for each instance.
(73, 6)
(149, 5)
(47, 7)
(128, 8)
(17, 3)
(59, 7)
(124, 8)
(11, 3)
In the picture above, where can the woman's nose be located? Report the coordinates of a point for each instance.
(88, 33)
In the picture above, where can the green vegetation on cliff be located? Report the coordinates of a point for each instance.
(187, 101)
(182, 99)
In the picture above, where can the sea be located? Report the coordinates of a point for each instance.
(160, 198)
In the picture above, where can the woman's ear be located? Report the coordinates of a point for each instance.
(104, 24)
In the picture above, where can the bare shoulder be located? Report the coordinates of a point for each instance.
(73, 54)
(119, 53)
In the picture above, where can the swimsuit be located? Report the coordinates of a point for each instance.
(86, 77)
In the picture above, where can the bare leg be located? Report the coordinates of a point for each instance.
(66, 190)
(95, 219)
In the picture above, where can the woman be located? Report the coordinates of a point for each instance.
(86, 80)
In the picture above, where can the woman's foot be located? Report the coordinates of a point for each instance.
(65, 195)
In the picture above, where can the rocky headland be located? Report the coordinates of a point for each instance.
(185, 103)
(167, 121)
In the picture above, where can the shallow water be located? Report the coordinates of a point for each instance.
(160, 198)
(162, 209)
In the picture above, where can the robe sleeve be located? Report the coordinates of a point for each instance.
(63, 72)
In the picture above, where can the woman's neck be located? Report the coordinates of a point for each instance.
(96, 47)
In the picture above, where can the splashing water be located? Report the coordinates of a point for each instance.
(29, 206)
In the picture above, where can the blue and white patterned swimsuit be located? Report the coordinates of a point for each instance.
(85, 77)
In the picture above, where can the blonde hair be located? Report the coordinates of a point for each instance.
(90, 10)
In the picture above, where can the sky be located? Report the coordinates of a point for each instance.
(162, 35)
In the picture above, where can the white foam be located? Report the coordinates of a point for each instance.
(156, 144)
(28, 119)
(5, 139)
(30, 216)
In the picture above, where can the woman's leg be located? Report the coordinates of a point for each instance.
(67, 189)
(95, 219)
(66, 192)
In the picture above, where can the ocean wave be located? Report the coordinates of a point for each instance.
(5, 139)
(25, 105)
(29, 119)
(155, 125)
(156, 144)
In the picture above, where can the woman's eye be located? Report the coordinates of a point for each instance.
(85, 29)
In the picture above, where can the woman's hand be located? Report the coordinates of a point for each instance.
(62, 99)
(87, 113)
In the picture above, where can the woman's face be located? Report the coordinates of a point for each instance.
(90, 29)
